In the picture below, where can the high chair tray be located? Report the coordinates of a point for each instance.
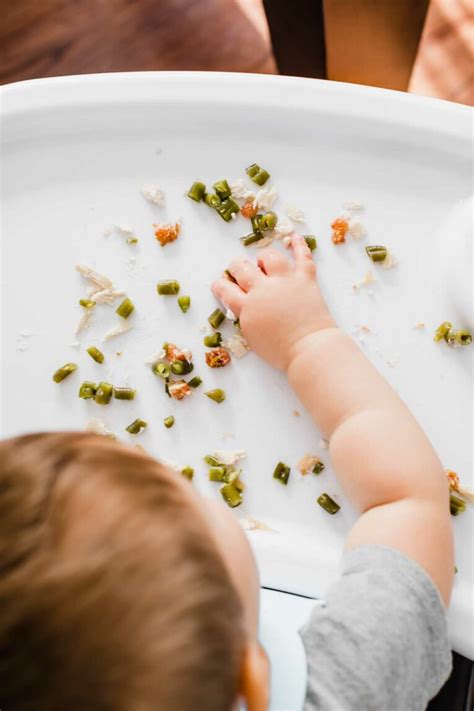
(76, 152)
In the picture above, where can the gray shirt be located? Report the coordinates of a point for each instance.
(380, 641)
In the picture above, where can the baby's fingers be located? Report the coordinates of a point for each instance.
(302, 254)
(229, 294)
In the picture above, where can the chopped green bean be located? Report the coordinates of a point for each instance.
(95, 354)
(227, 209)
(181, 367)
(212, 461)
(137, 426)
(222, 189)
(443, 331)
(162, 369)
(188, 472)
(328, 504)
(184, 302)
(282, 473)
(377, 253)
(125, 308)
(230, 277)
(216, 318)
(103, 393)
(212, 200)
(168, 288)
(87, 303)
(132, 240)
(268, 221)
(231, 474)
(238, 485)
(318, 467)
(217, 473)
(255, 222)
(236, 323)
(217, 395)
(463, 338)
(213, 340)
(252, 237)
(197, 191)
(257, 174)
(124, 393)
(231, 495)
(456, 505)
(311, 242)
(168, 422)
(167, 389)
(195, 382)
(87, 390)
(64, 372)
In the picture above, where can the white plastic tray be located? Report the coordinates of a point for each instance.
(75, 152)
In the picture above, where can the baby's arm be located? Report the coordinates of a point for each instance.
(384, 461)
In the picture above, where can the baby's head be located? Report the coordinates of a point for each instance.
(120, 587)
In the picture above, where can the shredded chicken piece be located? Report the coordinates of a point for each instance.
(237, 345)
(217, 357)
(389, 262)
(99, 427)
(356, 229)
(228, 457)
(167, 233)
(265, 241)
(419, 325)
(106, 296)
(118, 330)
(307, 463)
(239, 190)
(98, 280)
(265, 198)
(339, 227)
(85, 320)
(252, 524)
(353, 205)
(294, 213)
(153, 193)
(283, 228)
(179, 389)
(368, 279)
(172, 352)
(455, 485)
(156, 358)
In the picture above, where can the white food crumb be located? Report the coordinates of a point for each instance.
(323, 444)
(352, 205)
(156, 358)
(239, 190)
(153, 193)
(356, 228)
(99, 427)
(265, 198)
(229, 456)
(98, 280)
(106, 296)
(230, 315)
(252, 524)
(389, 261)
(122, 327)
(283, 228)
(294, 213)
(419, 325)
(237, 345)
(368, 279)
(75, 344)
(85, 320)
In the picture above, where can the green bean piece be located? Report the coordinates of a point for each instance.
(230, 277)
(132, 240)
(162, 369)
(328, 504)
(217, 395)
(181, 367)
(282, 473)
(257, 174)
(238, 485)
(167, 390)
(311, 242)
(456, 505)
(222, 189)
(212, 200)
(87, 303)
(168, 422)
(252, 237)
(188, 472)
(95, 354)
(227, 209)
(442, 331)
(64, 372)
(231, 474)
(231, 495)
(212, 461)
(124, 393)
(377, 253)
(125, 308)
(216, 318)
(184, 302)
(463, 338)
(318, 467)
(197, 191)
(195, 382)
(104, 393)
(236, 323)
(268, 221)
(217, 473)
(213, 340)
(255, 222)
(137, 426)
(87, 390)
(168, 288)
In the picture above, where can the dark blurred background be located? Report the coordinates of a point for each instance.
(416, 45)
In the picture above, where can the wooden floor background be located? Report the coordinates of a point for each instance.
(41, 38)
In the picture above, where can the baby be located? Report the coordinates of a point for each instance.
(122, 590)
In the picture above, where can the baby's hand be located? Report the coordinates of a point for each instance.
(278, 303)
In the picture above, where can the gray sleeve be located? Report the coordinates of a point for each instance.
(380, 642)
